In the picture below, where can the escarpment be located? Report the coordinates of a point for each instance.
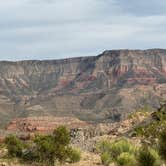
(101, 88)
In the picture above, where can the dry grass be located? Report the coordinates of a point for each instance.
(88, 159)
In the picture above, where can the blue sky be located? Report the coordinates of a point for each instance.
(54, 29)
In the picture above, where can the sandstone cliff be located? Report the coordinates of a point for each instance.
(100, 88)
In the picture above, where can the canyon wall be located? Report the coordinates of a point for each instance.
(101, 88)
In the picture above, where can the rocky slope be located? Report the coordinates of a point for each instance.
(86, 137)
(101, 88)
(43, 124)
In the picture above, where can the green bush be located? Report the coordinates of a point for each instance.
(44, 149)
(103, 146)
(126, 159)
(116, 151)
(151, 130)
(139, 131)
(14, 146)
(106, 159)
(61, 136)
(121, 146)
(74, 155)
(124, 153)
(148, 157)
(162, 144)
(56, 147)
(30, 154)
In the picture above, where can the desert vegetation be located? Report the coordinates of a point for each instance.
(46, 150)
(150, 152)
(123, 152)
(142, 144)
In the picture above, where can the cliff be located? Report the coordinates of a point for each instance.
(101, 88)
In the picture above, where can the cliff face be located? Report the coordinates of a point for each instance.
(105, 87)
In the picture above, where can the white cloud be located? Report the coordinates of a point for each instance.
(41, 29)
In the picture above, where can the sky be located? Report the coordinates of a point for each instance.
(55, 29)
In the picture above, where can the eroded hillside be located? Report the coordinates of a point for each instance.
(101, 88)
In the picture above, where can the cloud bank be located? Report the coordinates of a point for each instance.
(54, 29)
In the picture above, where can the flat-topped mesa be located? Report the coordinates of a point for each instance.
(139, 65)
(124, 59)
(136, 51)
(86, 87)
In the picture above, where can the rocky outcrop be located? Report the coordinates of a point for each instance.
(87, 137)
(43, 124)
(99, 88)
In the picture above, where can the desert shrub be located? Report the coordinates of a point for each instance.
(56, 147)
(103, 146)
(123, 153)
(154, 126)
(148, 157)
(45, 150)
(126, 159)
(112, 151)
(61, 136)
(116, 147)
(62, 153)
(106, 158)
(14, 146)
(121, 146)
(74, 155)
(162, 144)
(139, 131)
(151, 131)
(30, 154)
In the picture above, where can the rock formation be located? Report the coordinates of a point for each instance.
(101, 88)
(43, 124)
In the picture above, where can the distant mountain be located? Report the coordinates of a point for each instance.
(101, 88)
